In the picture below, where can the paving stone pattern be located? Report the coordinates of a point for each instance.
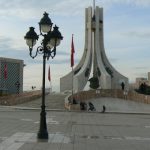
(52, 101)
(74, 131)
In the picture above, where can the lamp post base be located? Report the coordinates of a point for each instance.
(43, 135)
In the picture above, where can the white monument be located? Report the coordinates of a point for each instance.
(104, 75)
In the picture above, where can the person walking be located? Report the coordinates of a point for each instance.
(104, 109)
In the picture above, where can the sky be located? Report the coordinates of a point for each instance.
(126, 35)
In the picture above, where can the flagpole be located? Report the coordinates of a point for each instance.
(72, 62)
(50, 86)
(72, 84)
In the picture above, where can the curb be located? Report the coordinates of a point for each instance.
(4, 108)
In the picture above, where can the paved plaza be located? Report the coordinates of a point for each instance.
(52, 101)
(76, 130)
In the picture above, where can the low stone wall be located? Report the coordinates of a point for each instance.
(86, 95)
(19, 98)
(131, 95)
(134, 96)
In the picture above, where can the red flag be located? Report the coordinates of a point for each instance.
(5, 71)
(72, 52)
(49, 74)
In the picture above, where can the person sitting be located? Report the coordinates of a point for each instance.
(74, 101)
(91, 107)
(83, 106)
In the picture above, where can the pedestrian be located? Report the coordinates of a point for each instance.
(122, 85)
(104, 109)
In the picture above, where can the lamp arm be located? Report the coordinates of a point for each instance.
(39, 50)
(42, 34)
(53, 52)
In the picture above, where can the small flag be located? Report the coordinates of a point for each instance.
(49, 74)
(5, 71)
(72, 52)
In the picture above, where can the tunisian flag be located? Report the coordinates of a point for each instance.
(72, 52)
(5, 72)
(49, 74)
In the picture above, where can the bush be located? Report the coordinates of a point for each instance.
(143, 89)
(94, 82)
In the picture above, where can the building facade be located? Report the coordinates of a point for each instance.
(11, 75)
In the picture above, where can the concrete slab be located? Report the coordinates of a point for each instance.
(74, 131)
(120, 105)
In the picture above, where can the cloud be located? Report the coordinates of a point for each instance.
(8, 42)
(5, 42)
(137, 34)
(140, 68)
(61, 53)
(10, 48)
(113, 60)
(144, 3)
(7, 49)
(32, 9)
(24, 9)
(139, 74)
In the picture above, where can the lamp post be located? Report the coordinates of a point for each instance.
(51, 39)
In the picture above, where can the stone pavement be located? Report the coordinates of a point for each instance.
(120, 105)
(56, 101)
(77, 130)
(52, 101)
(74, 131)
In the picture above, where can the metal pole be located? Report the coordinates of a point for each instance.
(72, 86)
(93, 7)
(43, 133)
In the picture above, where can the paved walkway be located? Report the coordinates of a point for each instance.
(56, 101)
(52, 101)
(120, 105)
(77, 130)
(74, 131)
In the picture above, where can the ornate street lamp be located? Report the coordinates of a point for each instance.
(51, 39)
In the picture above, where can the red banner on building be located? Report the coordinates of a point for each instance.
(5, 71)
